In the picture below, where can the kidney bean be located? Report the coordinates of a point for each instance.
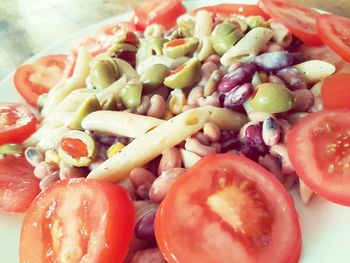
(249, 152)
(273, 61)
(238, 95)
(171, 158)
(295, 44)
(229, 141)
(242, 74)
(293, 78)
(272, 164)
(149, 255)
(303, 100)
(162, 184)
(142, 180)
(271, 131)
(277, 80)
(144, 227)
(253, 135)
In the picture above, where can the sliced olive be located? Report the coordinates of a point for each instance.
(153, 77)
(155, 46)
(103, 73)
(180, 47)
(272, 98)
(224, 36)
(77, 148)
(130, 95)
(90, 104)
(184, 76)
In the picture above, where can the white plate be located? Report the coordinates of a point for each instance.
(325, 226)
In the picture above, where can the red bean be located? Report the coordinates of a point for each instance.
(243, 73)
(293, 78)
(144, 227)
(273, 61)
(253, 134)
(238, 95)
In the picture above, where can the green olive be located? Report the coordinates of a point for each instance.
(11, 148)
(272, 98)
(127, 37)
(103, 73)
(155, 46)
(185, 76)
(180, 47)
(241, 23)
(256, 21)
(90, 104)
(224, 36)
(71, 156)
(118, 48)
(153, 77)
(130, 95)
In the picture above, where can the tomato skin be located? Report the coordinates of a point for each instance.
(18, 185)
(182, 217)
(31, 89)
(238, 9)
(313, 150)
(163, 12)
(334, 32)
(95, 45)
(114, 28)
(17, 123)
(300, 20)
(335, 91)
(93, 207)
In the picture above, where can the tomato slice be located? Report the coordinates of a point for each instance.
(95, 45)
(335, 33)
(16, 123)
(228, 209)
(32, 80)
(237, 9)
(114, 28)
(78, 220)
(18, 185)
(163, 12)
(300, 20)
(318, 147)
(335, 91)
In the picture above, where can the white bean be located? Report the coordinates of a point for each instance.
(212, 131)
(157, 108)
(193, 145)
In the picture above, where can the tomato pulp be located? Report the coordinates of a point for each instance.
(227, 208)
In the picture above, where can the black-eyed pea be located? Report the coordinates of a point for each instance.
(194, 94)
(270, 131)
(193, 145)
(171, 158)
(44, 169)
(280, 151)
(212, 131)
(144, 106)
(202, 138)
(176, 101)
(47, 180)
(216, 146)
(33, 156)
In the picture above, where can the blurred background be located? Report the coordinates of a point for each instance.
(29, 26)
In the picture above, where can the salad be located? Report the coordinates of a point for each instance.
(176, 136)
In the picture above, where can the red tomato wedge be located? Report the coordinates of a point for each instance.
(16, 123)
(163, 12)
(335, 91)
(228, 209)
(32, 80)
(318, 147)
(335, 32)
(114, 28)
(78, 220)
(300, 20)
(95, 45)
(236, 9)
(18, 185)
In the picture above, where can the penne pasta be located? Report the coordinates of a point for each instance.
(58, 93)
(250, 45)
(120, 123)
(203, 25)
(147, 147)
(205, 48)
(280, 34)
(189, 158)
(315, 70)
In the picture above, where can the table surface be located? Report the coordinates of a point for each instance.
(27, 27)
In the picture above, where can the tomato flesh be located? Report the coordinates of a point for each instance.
(227, 208)
(74, 147)
(162, 12)
(334, 32)
(32, 80)
(231, 9)
(300, 20)
(95, 45)
(78, 220)
(18, 185)
(16, 123)
(322, 140)
(335, 91)
(176, 42)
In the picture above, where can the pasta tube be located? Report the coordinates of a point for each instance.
(250, 45)
(120, 123)
(315, 70)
